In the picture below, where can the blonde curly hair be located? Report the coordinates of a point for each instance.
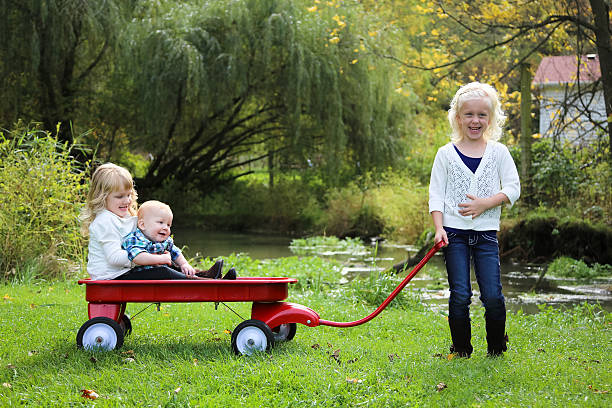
(476, 90)
(105, 180)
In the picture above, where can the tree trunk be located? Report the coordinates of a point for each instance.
(526, 130)
(601, 11)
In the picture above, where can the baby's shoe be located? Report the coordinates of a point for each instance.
(214, 272)
(231, 274)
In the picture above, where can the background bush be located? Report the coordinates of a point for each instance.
(41, 189)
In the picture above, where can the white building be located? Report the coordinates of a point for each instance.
(570, 103)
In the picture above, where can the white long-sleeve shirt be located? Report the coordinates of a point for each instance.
(451, 180)
(106, 259)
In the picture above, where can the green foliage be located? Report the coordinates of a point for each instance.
(41, 189)
(55, 61)
(573, 177)
(327, 245)
(393, 203)
(220, 84)
(377, 287)
(544, 235)
(572, 268)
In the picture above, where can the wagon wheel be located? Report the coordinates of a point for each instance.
(284, 332)
(100, 333)
(126, 324)
(252, 336)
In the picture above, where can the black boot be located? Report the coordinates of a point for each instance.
(461, 333)
(214, 272)
(496, 337)
(231, 274)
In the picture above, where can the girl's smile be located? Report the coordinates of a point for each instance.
(119, 202)
(474, 117)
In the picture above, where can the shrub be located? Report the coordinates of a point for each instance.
(543, 236)
(41, 189)
(572, 268)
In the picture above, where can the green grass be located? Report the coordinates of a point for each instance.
(180, 356)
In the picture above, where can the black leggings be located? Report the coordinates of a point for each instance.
(158, 272)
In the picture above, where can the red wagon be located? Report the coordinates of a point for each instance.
(272, 320)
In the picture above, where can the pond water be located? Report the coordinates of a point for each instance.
(518, 280)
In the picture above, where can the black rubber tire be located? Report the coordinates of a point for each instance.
(100, 334)
(126, 324)
(252, 336)
(284, 332)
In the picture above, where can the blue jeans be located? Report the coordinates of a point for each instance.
(483, 250)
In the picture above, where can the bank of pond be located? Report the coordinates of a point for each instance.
(527, 285)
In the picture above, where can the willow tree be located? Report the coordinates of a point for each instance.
(52, 54)
(218, 85)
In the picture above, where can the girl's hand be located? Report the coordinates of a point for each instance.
(440, 236)
(475, 207)
(165, 259)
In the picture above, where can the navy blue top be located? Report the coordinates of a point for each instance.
(471, 162)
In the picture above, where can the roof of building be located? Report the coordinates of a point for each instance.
(563, 70)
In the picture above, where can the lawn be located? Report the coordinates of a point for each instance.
(181, 356)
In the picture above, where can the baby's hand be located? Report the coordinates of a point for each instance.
(188, 270)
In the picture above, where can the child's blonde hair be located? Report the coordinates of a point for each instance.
(107, 179)
(476, 90)
(152, 204)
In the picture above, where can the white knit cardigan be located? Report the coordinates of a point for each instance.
(451, 180)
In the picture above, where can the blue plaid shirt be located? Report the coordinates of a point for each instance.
(136, 242)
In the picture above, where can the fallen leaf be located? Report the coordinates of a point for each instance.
(32, 352)
(441, 386)
(93, 359)
(177, 390)
(393, 357)
(353, 380)
(128, 353)
(195, 361)
(315, 346)
(541, 350)
(354, 360)
(7, 297)
(595, 390)
(89, 394)
(10, 366)
(451, 356)
(227, 331)
(128, 360)
(32, 306)
(7, 385)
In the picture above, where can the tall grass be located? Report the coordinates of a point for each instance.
(41, 188)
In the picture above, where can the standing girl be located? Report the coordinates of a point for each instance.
(472, 176)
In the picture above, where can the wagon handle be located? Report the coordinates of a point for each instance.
(393, 294)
